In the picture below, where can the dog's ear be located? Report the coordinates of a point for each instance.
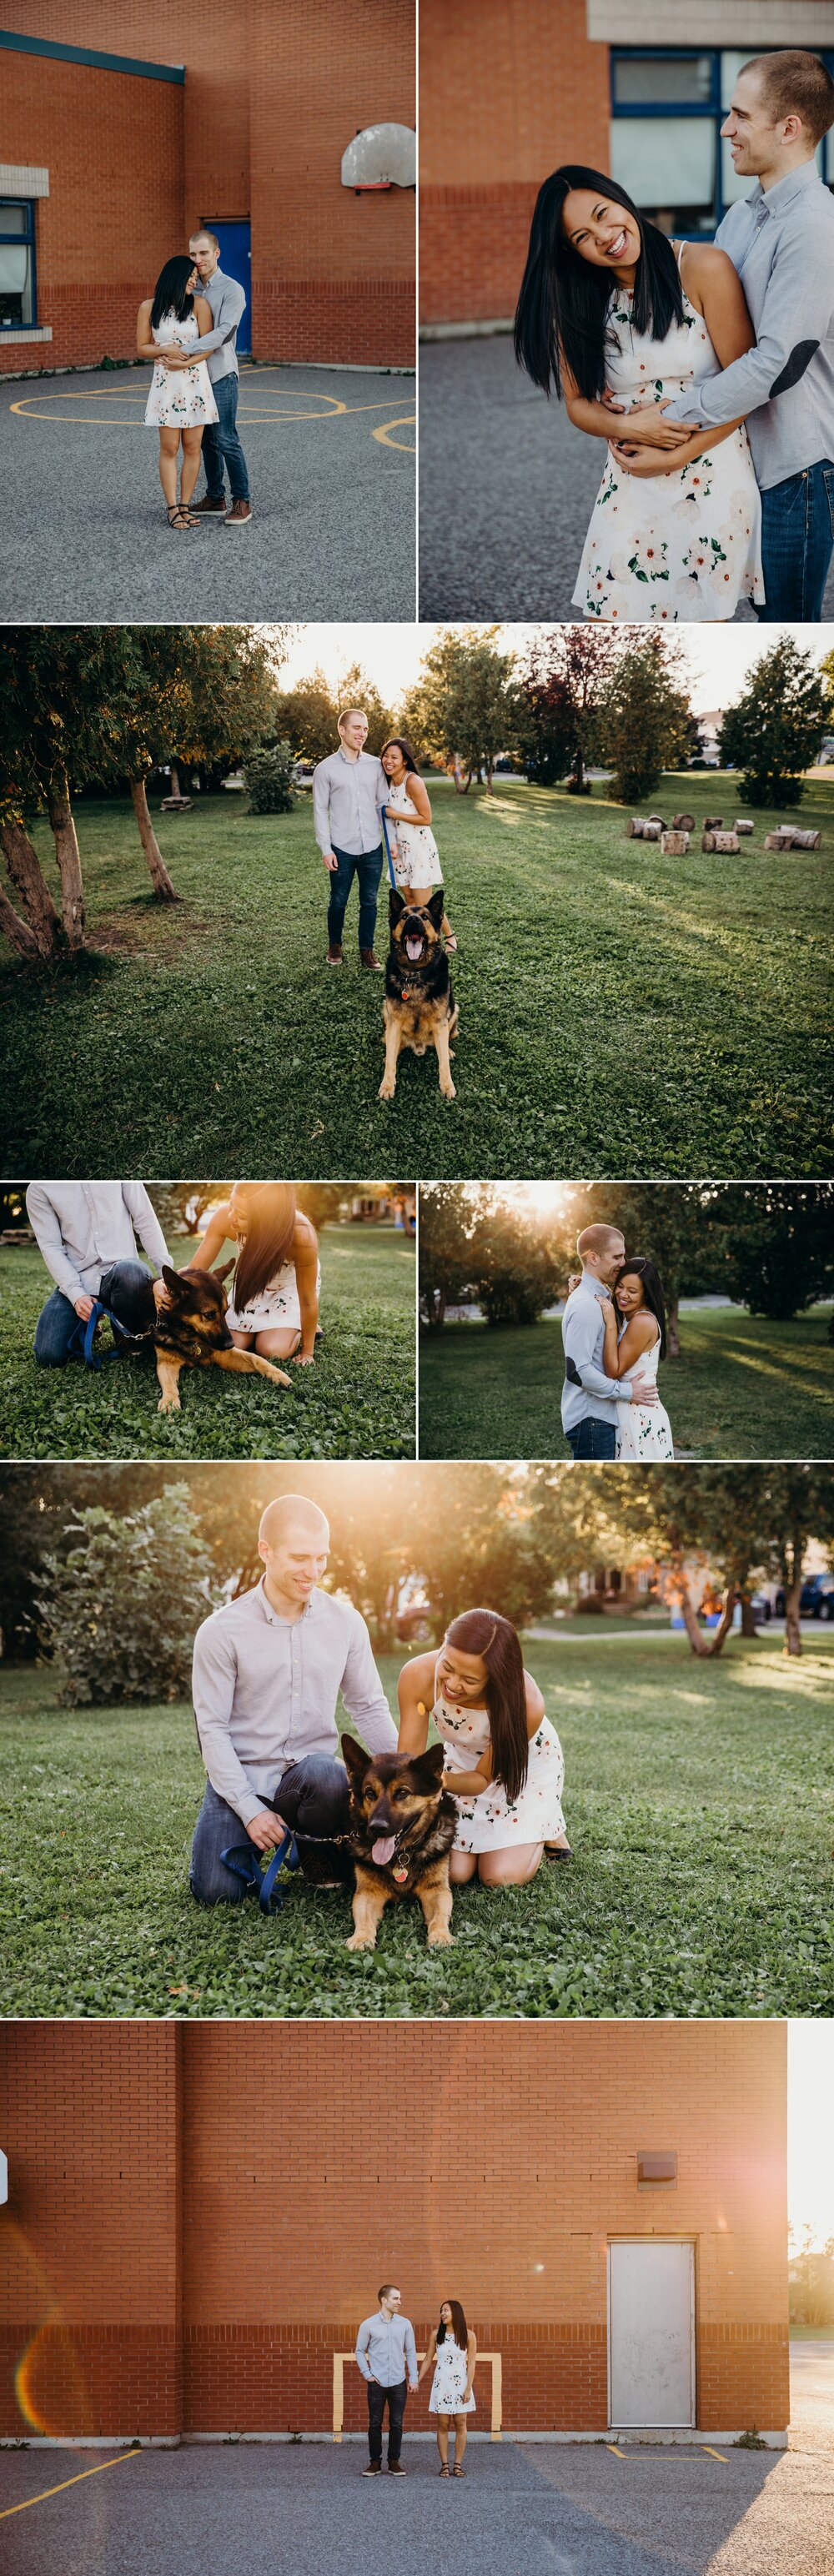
(354, 1757)
(436, 908)
(173, 1282)
(431, 1762)
(396, 906)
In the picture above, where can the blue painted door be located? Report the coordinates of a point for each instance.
(236, 259)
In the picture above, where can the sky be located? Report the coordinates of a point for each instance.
(811, 2128)
(718, 658)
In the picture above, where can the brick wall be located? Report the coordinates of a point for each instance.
(508, 89)
(270, 100)
(314, 2162)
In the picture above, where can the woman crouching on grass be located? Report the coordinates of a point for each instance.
(503, 1762)
(452, 2354)
(415, 857)
(274, 1305)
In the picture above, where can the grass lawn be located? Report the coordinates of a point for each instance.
(353, 1404)
(743, 1388)
(621, 1012)
(700, 1804)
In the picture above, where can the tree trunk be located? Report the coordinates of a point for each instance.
(17, 931)
(176, 789)
(704, 1646)
(435, 1308)
(30, 883)
(489, 786)
(69, 861)
(748, 1624)
(579, 768)
(793, 1632)
(673, 1339)
(160, 879)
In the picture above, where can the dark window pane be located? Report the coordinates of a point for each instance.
(14, 216)
(662, 80)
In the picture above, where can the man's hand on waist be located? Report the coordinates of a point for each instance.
(642, 1392)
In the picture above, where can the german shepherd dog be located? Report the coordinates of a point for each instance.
(401, 1830)
(192, 1332)
(419, 1009)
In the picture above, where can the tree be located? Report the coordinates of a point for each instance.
(774, 731)
(119, 1608)
(797, 1505)
(182, 693)
(707, 1516)
(779, 1245)
(308, 715)
(268, 774)
(560, 685)
(356, 690)
(463, 707)
(644, 715)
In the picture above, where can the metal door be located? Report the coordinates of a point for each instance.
(236, 259)
(651, 2334)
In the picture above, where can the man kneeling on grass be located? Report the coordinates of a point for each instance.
(268, 1670)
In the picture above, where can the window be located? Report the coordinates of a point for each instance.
(17, 264)
(667, 108)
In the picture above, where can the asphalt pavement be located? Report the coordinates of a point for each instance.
(331, 465)
(506, 489)
(524, 2510)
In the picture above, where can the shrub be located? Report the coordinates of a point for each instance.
(118, 1611)
(268, 773)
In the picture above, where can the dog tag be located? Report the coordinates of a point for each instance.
(400, 1874)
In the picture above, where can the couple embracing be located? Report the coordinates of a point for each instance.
(613, 1338)
(189, 328)
(719, 479)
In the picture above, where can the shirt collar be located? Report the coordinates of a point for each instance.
(776, 200)
(342, 754)
(275, 1621)
(597, 1286)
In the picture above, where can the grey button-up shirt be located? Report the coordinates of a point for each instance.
(347, 796)
(228, 305)
(82, 1226)
(583, 1339)
(781, 241)
(265, 1692)
(386, 2350)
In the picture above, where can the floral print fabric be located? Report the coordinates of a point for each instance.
(644, 1430)
(183, 400)
(278, 1303)
(415, 855)
(448, 2388)
(684, 545)
(488, 1822)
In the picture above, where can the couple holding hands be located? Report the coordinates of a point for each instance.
(386, 2354)
(359, 802)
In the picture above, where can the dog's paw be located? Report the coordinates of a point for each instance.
(440, 1939)
(386, 1089)
(361, 1941)
(169, 1404)
(448, 1089)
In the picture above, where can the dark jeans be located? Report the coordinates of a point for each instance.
(124, 1288)
(592, 1439)
(368, 869)
(312, 1795)
(797, 544)
(221, 445)
(378, 2399)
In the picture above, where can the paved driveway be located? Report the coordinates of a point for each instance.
(331, 466)
(506, 489)
(525, 2510)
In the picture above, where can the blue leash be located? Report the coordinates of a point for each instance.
(80, 1345)
(242, 1860)
(388, 853)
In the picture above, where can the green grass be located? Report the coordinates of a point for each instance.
(742, 1388)
(621, 1012)
(699, 1799)
(357, 1402)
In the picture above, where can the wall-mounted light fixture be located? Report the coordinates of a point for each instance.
(655, 2168)
(380, 156)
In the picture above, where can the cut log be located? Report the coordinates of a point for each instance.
(778, 840)
(806, 840)
(683, 822)
(713, 822)
(175, 805)
(741, 826)
(661, 819)
(674, 844)
(726, 841)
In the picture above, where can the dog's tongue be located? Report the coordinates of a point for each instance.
(413, 949)
(383, 1850)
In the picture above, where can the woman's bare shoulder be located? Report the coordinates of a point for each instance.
(304, 1233)
(420, 1671)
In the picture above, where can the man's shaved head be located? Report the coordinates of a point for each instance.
(292, 1512)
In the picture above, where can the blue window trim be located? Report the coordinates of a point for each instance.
(710, 107)
(43, 45)
(29, 238)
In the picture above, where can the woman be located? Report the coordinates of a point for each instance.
(180, 401)
(503, 1763)
(414, 852)
(610, 308)
(452, 2354)
(635, 1338)
(274, 1305)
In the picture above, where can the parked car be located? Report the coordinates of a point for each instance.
(816, 1599)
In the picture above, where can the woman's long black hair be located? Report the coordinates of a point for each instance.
(561, 314)
(458, 2327)
(645, 1271)
(171, 291)
(397, 742)
(485, 1633)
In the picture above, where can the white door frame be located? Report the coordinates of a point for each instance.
(693, 2383)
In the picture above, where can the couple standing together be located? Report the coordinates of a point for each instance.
(720, 485)
(360, 801)
(189, 328)
(386, 2353)
(613, 1338)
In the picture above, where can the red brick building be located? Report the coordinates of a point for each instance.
(150, 2163)
(115, 148)
(511, 88)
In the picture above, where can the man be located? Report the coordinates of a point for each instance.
(85, 1231)
(349, 788)
(589, 1398)
(385, 2349)
(781, 241)
(221, 444)
(268, 1670)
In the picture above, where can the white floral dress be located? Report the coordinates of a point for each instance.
(180, 397)
(448, 2388)
(685, 545)
(415, 855)
(644, 1430)
(276, 1304)
(488, 1822)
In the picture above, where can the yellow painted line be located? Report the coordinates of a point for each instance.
(384, 434)
(715, 2455)
(69, 2482)
(618, 2455)
(27, 409)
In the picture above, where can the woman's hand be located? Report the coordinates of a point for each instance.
(646, 426)
(645, 461)
(304, 1359)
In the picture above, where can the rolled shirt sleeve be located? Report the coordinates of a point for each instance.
(579, 1329)
(213, 1677)
(47, 1232)
(797, 315)
(363, 1693)
(145, 1222)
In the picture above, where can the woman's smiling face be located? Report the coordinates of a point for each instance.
(600, 231)
(392, 760)
(630, 1293)
(462, 1678)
